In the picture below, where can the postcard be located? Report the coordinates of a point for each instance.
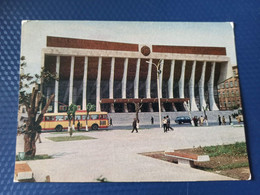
(104, 101)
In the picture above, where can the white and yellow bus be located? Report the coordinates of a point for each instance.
(59, 121)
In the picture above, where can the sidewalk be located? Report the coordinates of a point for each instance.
(115, 155)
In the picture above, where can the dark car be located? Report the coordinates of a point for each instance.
(183, 119)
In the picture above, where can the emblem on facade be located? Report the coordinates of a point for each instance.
(145, 50)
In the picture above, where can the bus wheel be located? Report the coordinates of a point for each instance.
(58, 128)
(94, 127)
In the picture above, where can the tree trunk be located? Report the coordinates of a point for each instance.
(33, 123)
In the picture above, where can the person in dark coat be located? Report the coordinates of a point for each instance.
(195, 120)
(111, 122)
(230, 121)
(152, 120)
(134, 126)
(168, 123)
(219, 120)
(78, 125)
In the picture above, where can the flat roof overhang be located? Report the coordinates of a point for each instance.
(128, 54)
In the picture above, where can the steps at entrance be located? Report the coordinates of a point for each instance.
(122, 119)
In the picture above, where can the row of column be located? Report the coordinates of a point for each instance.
(193, 105)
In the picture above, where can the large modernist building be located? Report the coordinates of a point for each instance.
(114, 76)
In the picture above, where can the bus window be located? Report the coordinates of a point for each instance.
(77, 117)
(94, 116)
(103, 116)
(49, 118)
(66, 118)
(59, 118)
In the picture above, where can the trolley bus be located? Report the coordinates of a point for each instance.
(59, 121)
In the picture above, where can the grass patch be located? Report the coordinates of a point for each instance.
(237, 149)
(233, 166)
(36, 157)
(68, 138)
(66, 132)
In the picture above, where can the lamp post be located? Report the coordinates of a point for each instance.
(158, 68)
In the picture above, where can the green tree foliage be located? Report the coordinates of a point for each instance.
(71, 115)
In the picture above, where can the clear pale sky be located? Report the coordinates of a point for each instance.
(34, 33)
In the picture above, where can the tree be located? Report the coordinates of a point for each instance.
(137, 109)
(71, 115)
(90, 107)
(32, 101)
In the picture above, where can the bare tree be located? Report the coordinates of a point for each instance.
(138, 107)
(32, 101)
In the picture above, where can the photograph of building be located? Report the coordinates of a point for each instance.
(160, 94)
(229, 92)
(115, 75)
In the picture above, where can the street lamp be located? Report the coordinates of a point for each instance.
(158, 68)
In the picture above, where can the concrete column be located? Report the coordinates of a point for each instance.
(111, 80)
(71, 80)
(85, 78)
(181, 81)
(212, 103)
(136, 81)
(201, 87)
(174, 108)
(124, 79)
(56, 99)
(125, 107)
(148, 80)
(150, 107)
(193, 106)
(98, 85)
(161, 78)
(171, 80)
(111, 84)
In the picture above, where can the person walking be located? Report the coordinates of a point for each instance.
(38, 134)
(206, 120)
(111, 121)
(195, 120)
(168, 123)
(223, 120)
(164, 124)
(134, 126)
(201, 120)
(219, 120)
(152, 120)
(78, 125)
(230, 120)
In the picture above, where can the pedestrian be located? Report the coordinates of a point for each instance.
(38, 134)
(206, 120)
(230, 121)
(137, 123)
(223, 120)
(195, 120)
(168, 123)
(134, 126)
(219, 120)
(201, 119)
(78, 125)
(164, 124)
(110, 122)
(152, 120)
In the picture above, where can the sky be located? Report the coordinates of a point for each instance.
(34, 33)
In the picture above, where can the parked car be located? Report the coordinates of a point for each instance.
(183, 119)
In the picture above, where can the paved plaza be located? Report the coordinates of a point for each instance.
(114, 154)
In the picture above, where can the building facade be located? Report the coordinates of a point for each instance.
(115, 76)
(229, 92)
